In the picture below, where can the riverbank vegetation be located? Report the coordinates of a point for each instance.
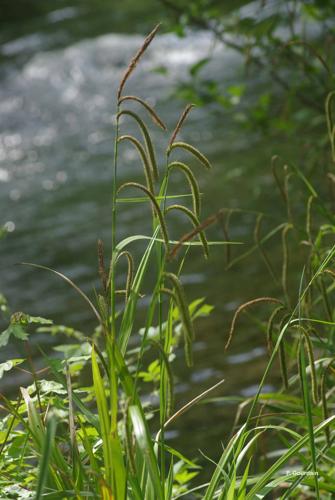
(95, 421)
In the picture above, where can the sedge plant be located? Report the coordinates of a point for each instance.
(63, 438)
(96, 442)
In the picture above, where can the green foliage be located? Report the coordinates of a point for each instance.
(286, 42)
(18, 326)
(93, 439)
(78, 433)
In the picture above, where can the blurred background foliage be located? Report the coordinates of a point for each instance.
(290, 44)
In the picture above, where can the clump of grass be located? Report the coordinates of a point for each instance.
(300, 332)
(111, 452)
(66, 439)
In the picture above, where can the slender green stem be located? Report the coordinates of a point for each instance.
(114, 208)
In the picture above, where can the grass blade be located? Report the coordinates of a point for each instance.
(45, 457)
(144, 442)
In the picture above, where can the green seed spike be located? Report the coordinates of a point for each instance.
(224, 220)
(309, 348)
(179, 290)
(147, 106)
(192, 182)
(147, 139)
(188, 335)
(170, 384)
(286, 229)
(191, 149)
(155, 207)
(269, 330)
(130, 272)
(282, 354)
(183, 309)
(195, 222)
(144, 158)
(283, 364)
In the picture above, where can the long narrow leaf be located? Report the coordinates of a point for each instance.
(45, 458)
(144, 442)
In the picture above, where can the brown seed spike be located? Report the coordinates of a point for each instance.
(135, 59)
(180, 123)
(196, 223)
(101, 262)
(147, 106)
(212, 219)
(242, 308)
